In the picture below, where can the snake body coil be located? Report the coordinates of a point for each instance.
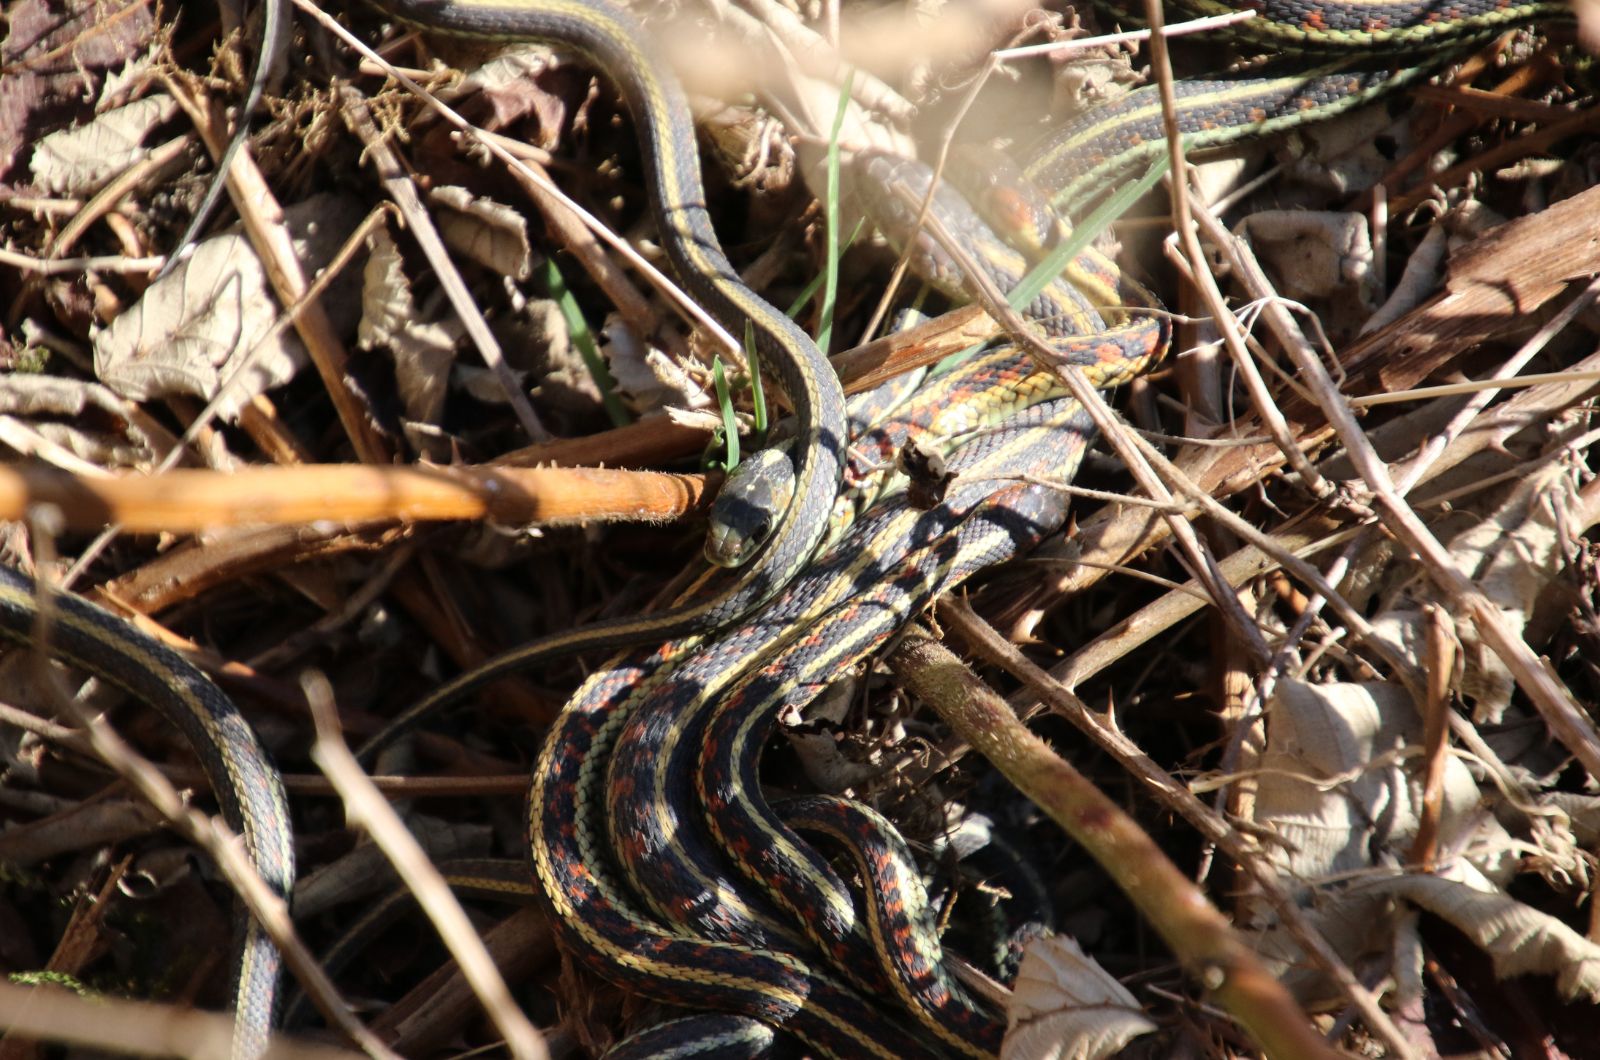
(246, 784)
(619, 46)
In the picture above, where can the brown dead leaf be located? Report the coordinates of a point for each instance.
(54, 55)
(195, 328)
(1066, 1006)
(77, 161)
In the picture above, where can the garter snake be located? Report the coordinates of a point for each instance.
(583, 767)
(646, 774)
(663, 718)
(620, 47)
(909, 554)
(246, 785)
(1074, 161)
(604, 926)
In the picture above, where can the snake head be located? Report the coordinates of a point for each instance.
(891, 190)
(750, 504)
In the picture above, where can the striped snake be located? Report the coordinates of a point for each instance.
(247, 785)
(767, 559)
(707, 745)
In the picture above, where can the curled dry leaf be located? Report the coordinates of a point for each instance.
(1423, 271)
(83, 418)
(1322, 258)
(649, 378)
(549, 354)
(78, 161)
(1518, 938)
(201, 325)
(128, 80)
(750, 146)
(511, 85)
(154, 871)
(423, 350)
(827, 766)
(1563, 830)
(490, 233)
(423, 354)
(1065, 1006)
(1339, 787)
(1579, 814)
(1094, 79)
(1512, 555)
(386, 302)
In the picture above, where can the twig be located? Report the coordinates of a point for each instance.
(366, 808)
(1211, 951)
(403, 190)
(113, 1025)
(1062, 48)
(268, 909)
(685, 304)
(190, 500)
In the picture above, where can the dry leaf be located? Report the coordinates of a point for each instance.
(1321, 258)
(1064, 1006)
(423, 350)
(490, 233)
(128, 80)
(78, 161)
(83, 418)
(1423, 273)
(511, 86)
(423, 354)
(480, 384)
(1580, 814)
(539, 343)
(1519, 939)
(386, 302)
(1512, 556)
(828, 767)
(649, 378)
(1339, 784)
(195, 328)
(52, 53)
